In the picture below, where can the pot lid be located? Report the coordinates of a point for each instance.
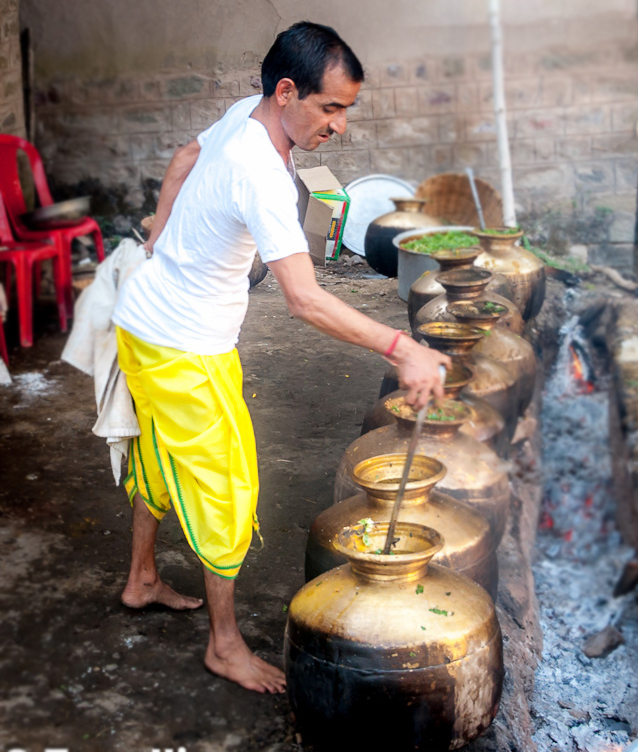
(370, 197)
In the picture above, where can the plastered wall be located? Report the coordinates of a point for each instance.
(11, 98)
(120, 85)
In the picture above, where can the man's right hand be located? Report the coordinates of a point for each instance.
(418, 368)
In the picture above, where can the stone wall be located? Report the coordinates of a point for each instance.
(571, 80)
(11, 97)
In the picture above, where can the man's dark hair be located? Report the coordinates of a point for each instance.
(303, 53)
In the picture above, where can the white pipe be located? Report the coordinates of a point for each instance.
(507, 188)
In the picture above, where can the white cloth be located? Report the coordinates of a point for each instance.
(92, 347)
(238, 198)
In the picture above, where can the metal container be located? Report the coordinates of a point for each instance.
(524, 272)
(468, 546)
(485, 425)
(501, 345)
(381, 253)
(392, 652)
(57, 216)
(467, 284)
(494, 382)
(475, 474)
(413, 264)
(427, 287)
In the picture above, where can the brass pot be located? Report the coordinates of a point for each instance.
(392, 652)
(380, 252)
(501, 345)
(486, 424)
(524, 272)
(468, 546)
(493, 381)
(466, 284)
(475, 474)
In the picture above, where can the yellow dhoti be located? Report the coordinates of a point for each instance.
(196, 449)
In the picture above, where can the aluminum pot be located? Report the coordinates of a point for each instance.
(413, 264)
(524, 272)
(407, 653)
(468, 546)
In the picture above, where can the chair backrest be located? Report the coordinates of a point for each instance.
(6, 236)
(10, 179)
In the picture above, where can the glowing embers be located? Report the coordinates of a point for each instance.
(580, 370)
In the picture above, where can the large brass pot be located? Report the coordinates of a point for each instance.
(427, 287)
(486, 424)
(493, 381)
(501, 345)
(524, 272)
(392, 652)
(381, 253)
(475, 474)
(468, 546)
(466, 284)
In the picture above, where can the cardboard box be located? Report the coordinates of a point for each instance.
(323, 210)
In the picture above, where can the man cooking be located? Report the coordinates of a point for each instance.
(225, 195)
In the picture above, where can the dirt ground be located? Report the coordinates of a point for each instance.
(78, 669)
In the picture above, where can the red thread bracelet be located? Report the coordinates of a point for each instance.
(390, 349)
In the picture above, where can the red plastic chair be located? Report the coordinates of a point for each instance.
(14, 200)
(21, 257)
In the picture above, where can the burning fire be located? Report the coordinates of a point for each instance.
(579, 374)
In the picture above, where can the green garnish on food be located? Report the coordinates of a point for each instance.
(441, 612)
(412, 654)
(491, 307)
(440, 241)
(395, 409)
(419, 589)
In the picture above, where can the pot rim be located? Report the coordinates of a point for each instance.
(451, 332)
(432, 471)
(467, 317)
(479, 233)
(464, 280)
(464, 415)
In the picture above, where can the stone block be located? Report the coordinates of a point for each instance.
(418, 72)
(420, 162)
(614, 202)
(623, 228)
(93, 120)
(522, 151)
(594, 176)
(573, 147)
(205, 112)
(587, 120)
(454, 67)
(614, 144)
(518, 63)
(93, 147)
(333, 143)
(229, 102)
(539, 123)
(394, 74)
(389, 161)
(544, 150)
(372, 78)
(544, 181)
(624, 117)
(480, 66)
(362, 107)
(306, 159)
(154, 169)
(185, 87)
(406, 101)
(347, 165)
(116, 173)
(451, 129)
(467, 97)
(481, 127)
(441, 157)
(407, 132)
(225, 87)
(383, 103)
(249, 83)
(581, 90)
(150, 91)
(360, 136)
(556, 91)
(615, 88)
(617, 255)
(626, 174)
(469, 155)
(181, 116)
(433, 100)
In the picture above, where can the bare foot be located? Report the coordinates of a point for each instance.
(239, 665)
(145, 593)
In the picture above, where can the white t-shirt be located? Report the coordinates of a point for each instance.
(239, 197)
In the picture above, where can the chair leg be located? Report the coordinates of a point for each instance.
(24, 284)
(7, 283)
(3, 345)
(64, 247)
(99, 245)
(37, 280)
(58, 278)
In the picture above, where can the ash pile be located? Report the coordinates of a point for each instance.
(586, 688)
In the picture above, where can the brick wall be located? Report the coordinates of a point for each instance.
(572, 113)
(11, 98)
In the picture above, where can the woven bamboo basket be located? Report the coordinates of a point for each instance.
(449, 197)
